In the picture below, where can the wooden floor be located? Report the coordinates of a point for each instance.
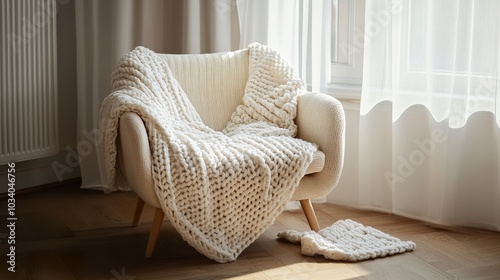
(67, 233)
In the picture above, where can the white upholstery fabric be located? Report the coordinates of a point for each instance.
(320, 120)
(204, 78)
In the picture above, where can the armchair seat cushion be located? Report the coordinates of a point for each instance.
(317, 164)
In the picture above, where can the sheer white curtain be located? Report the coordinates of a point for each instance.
(430, 111)
(108, 29)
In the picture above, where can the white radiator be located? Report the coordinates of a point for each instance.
(28, 63)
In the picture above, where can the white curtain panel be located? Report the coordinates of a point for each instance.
(429, 125)
(108, 29)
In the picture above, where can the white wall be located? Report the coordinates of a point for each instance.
(39, 172)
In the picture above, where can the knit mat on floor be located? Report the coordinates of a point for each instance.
(348, 240)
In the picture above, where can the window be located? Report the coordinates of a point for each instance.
(347, 43)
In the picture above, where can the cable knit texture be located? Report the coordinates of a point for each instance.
(220, 190)
(347, 240)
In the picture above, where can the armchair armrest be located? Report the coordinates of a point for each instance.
(134, 157)
(321, 120)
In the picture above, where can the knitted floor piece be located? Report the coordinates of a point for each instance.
(220, 190)
(348, 240)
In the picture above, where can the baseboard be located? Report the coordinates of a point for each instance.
(39, 172)
(69, 182)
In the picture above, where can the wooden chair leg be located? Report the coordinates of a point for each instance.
(155, 231)
(310, 215)
(138, 212)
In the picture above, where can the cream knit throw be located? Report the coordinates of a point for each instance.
(347, 240)
(220, 190)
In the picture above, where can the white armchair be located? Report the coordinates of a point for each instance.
(215, 85)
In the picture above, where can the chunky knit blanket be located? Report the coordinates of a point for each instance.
(347, 240)
(220, 190)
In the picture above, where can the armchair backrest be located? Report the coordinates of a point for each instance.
(214, 83)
